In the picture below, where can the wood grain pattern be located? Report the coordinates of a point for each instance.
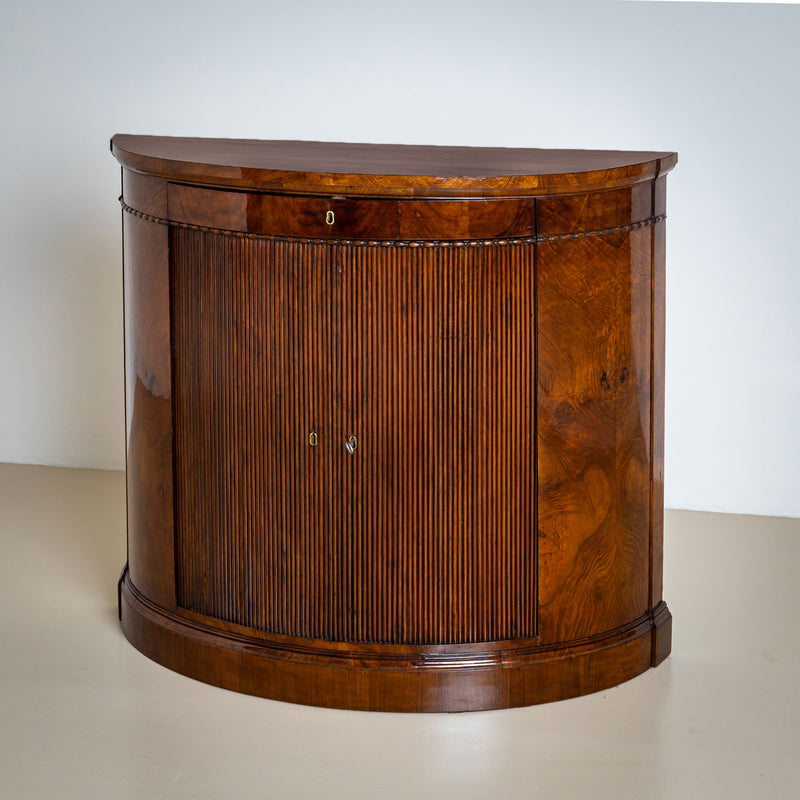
(594, 432)
(353, 218)
(148, 391)
(384, 169)
(594, 212)
(496, 536)
(413, 679)
(145, 193)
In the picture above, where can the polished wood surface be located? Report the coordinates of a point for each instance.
(409, 458)
(353, 218)
(385, 169)
(418, 359)
(148, 395)
(593, 416)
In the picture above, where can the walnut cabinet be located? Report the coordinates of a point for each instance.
(394, 419)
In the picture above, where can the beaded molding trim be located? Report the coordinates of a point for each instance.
(540, 239)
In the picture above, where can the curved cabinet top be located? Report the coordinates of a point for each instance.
(385, 170)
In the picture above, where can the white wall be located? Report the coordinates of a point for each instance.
(716, 82)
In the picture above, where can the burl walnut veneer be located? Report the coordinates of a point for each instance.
(394, 419)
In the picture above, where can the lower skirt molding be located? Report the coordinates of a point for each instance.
(382, 677)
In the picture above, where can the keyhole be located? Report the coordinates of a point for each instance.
(351, 445)
(329, 218)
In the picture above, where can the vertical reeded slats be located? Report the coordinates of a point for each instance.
(426, 533)
(250, 318)
(437, 377)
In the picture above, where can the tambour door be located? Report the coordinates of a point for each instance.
(252, 388)
(434, 354)
(355, 434)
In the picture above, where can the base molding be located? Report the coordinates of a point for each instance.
(409, 678)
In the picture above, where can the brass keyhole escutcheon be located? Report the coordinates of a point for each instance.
(313, 439)
(329, 218)
(351, 445)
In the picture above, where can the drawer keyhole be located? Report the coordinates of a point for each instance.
(329, 218)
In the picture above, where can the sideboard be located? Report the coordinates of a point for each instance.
(394, 419)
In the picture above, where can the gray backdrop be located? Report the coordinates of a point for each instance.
(716, 82)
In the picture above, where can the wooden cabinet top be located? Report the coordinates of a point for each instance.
(383, 169)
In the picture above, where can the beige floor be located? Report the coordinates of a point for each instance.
(84, 715)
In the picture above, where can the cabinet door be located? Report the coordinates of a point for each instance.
(251, 353)
(434, 354)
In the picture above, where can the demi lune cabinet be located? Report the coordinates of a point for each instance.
(394, 419)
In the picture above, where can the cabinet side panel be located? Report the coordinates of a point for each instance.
(252, 382)
(148, 409)
(437, 529)
(594, 362)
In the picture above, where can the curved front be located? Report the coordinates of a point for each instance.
(390, 678)
(400, 457)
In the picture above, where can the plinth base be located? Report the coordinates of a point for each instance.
(376, 677)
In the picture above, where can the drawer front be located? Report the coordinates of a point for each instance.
(350, 218)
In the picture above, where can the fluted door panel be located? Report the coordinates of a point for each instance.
(425, 357)
(251, 355)
(436, 365)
